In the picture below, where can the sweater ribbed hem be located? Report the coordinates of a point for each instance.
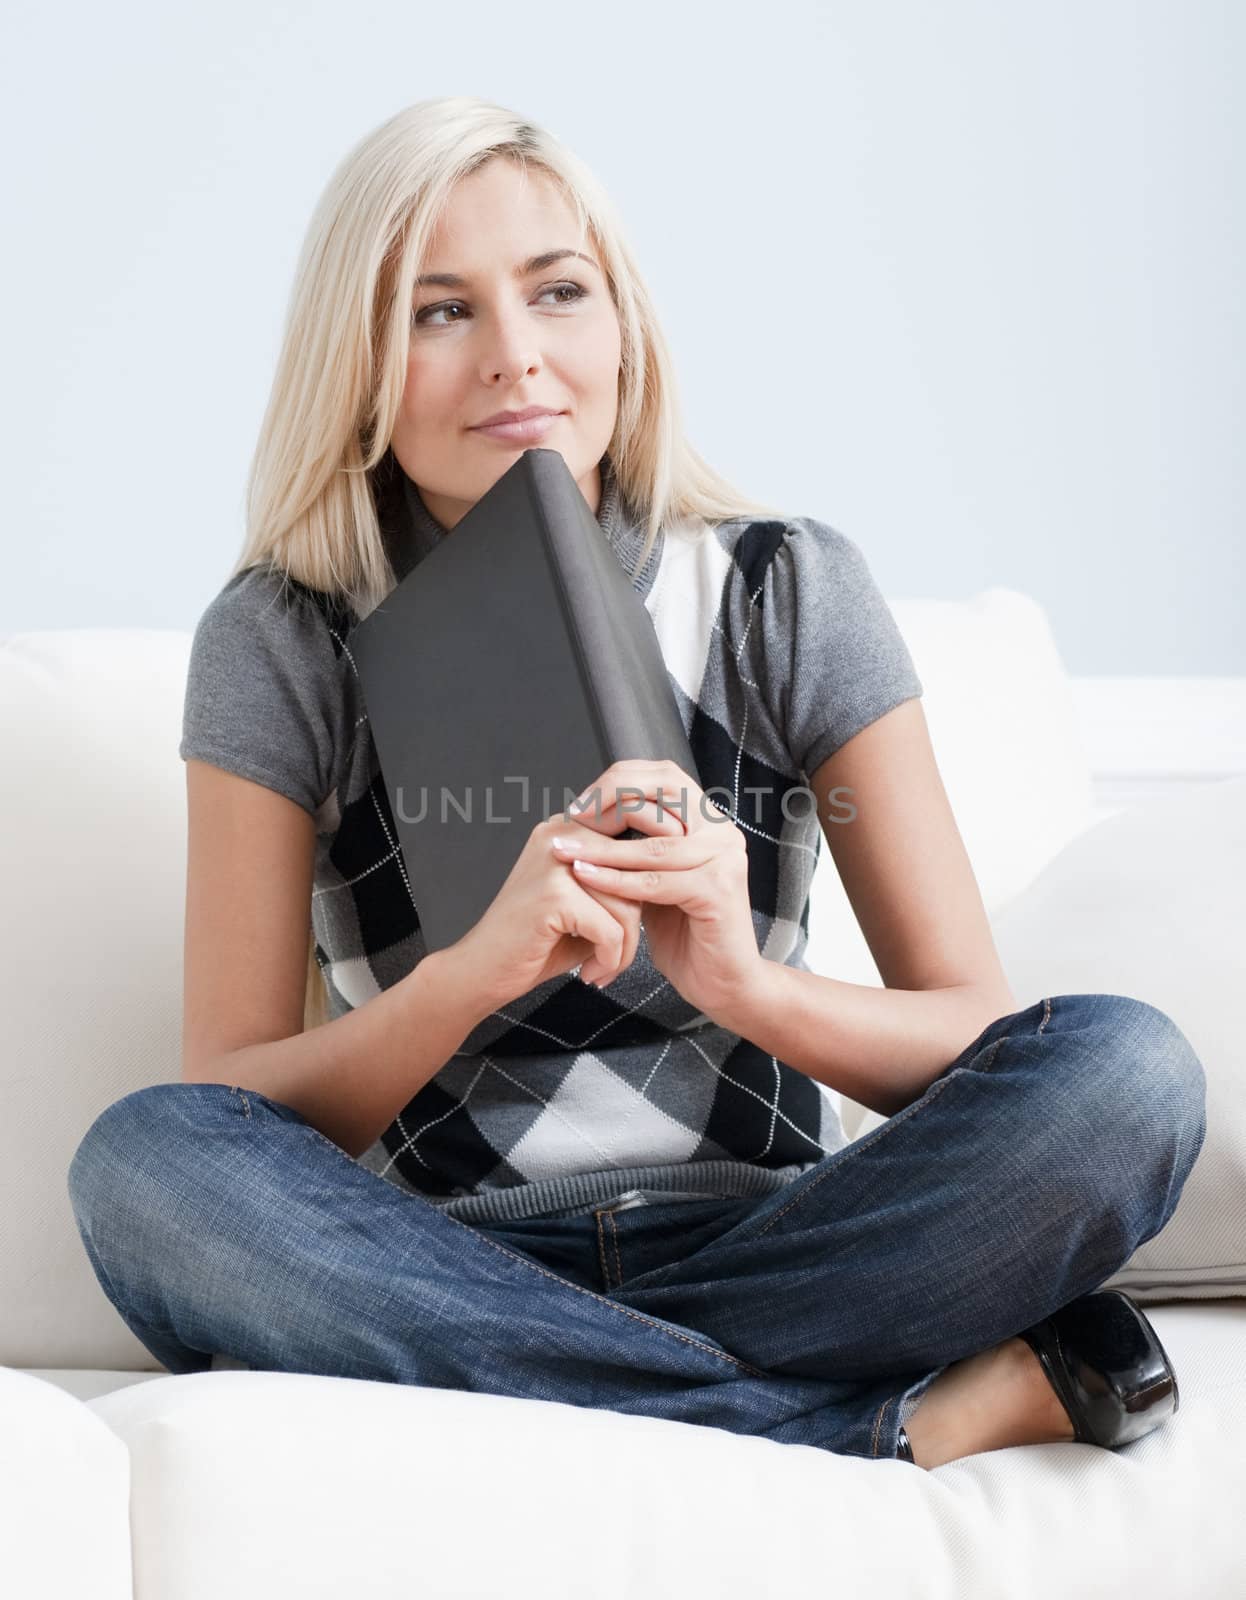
(693, 1180)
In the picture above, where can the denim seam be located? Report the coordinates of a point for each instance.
(242, 1096)
(566, 1283)
(986, 1067)
(878, 1423)
(601, 1251)
(614, 1305)
(614, 1240)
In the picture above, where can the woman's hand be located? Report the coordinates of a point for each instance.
(542, 923)
(690, 874)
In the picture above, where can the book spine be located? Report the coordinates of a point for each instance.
(583, 615)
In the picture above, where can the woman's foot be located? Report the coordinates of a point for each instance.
(989, 1401)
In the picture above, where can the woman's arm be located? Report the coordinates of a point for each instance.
(908, 876)
(249, 880)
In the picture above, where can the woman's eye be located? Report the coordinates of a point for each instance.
(424, 316)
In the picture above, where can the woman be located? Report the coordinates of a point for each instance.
(583, 1154)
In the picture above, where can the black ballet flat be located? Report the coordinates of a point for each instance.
(904, 1450)
(1105, 1362)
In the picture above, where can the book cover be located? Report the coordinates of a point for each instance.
(502, 676)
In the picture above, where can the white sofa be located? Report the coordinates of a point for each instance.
(123, 1480)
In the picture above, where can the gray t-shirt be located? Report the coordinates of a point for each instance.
(779, 648)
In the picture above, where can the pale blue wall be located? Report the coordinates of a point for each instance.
(964, 280)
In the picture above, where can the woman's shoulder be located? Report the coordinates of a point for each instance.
(794, 534)
(263, 606)
(269, 691)
(757, 560)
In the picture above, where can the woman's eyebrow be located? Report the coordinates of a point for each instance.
(451, 280)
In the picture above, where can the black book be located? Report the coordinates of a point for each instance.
(502, 676)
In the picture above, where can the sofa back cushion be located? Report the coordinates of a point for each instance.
(93, 857)
(1003, 724)
(93, 854)
(1147, 903)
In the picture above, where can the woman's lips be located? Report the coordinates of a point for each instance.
(520, 432)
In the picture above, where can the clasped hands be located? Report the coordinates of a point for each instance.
(687, 879)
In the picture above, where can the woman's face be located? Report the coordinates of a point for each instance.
(503, 339)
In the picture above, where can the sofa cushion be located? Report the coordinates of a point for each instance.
(1144, 903)
(1148, 904)
(93, 860)
(1005, 732)
(252, 1484)
(64, 1496)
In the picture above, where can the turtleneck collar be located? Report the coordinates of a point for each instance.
(415, 531)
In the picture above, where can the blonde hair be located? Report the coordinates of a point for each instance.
(311, 500)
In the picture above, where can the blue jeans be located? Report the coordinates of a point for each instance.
(218, 1220)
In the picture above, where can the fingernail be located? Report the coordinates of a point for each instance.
(581, 865)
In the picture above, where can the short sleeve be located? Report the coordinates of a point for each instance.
(263, 692)
(833, 658)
